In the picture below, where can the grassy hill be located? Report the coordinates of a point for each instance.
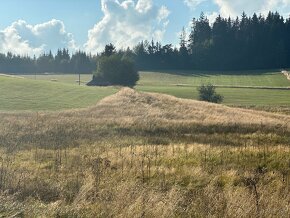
(145, 155)
(27, 94)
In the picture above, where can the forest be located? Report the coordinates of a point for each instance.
(61, 62)
(244, 43)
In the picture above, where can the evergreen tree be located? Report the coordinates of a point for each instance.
(183, 51)
(110, 49)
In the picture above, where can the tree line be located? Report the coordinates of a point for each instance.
(243, 43)
(61, 62)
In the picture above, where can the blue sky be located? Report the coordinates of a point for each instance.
(78, 15)
(34, 26)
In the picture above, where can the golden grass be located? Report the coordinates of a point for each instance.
(132, 104)
(145, 155)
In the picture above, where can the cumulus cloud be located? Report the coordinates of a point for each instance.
(126, 23)
(23, 38)
(235, 8)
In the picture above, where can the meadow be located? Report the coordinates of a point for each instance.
(145, 155)
(75, 151)
(37, 95)
(262, 89)
(256, 88)
(270, 78)
(227, 78)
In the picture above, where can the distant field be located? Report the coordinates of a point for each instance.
(26, 94)
(54, 92)
(63, 78)
(185, 86)
(195, 78)
(232, 96)
(247, 78)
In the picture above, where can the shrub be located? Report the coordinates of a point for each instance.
(116, 70)
(208, 93)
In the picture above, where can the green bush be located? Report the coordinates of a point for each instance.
(115, 70)
(208, 93)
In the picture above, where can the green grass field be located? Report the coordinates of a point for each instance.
(27, 94)
(247, 78)
(231, 85)
(232, 96)
(56, 92)
(195, 78)
(61, 78)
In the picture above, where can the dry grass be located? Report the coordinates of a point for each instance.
(145, 155)
(128, 103)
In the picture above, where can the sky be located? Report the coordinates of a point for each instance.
(32, 27)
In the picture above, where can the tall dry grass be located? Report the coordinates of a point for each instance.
(145, 155)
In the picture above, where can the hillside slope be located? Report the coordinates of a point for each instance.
(161, 118)
(138, 113)
(132, 106)
(145, 155)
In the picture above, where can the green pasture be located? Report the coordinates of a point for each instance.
(232, 96)
(58, 92)
(187, 78)
(27, 94)
(61, 78)
(248, 88)
(195, 78)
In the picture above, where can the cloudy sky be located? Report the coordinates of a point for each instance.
(34, 26)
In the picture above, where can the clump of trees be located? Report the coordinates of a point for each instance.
(114, 69)
(208, 93)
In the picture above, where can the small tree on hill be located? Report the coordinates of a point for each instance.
(208, 93)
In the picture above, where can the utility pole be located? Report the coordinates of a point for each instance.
(79, 78)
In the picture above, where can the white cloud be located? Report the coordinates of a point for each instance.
(192, 4)
(235, 8)
(144, 6)
(126, 23)
(26, 39)
(163, 13)
(212, 16)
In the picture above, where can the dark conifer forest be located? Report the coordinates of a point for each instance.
(244, 43)
(61, 62)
